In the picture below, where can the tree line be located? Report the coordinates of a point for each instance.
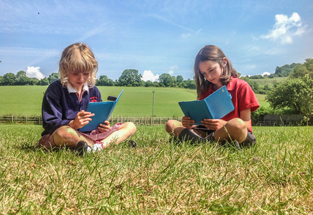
(293, 95)
(129, 77)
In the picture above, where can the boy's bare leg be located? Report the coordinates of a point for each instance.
(124, 131)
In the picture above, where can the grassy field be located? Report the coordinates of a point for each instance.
(135, 101)
(269, 81)
(158, 177)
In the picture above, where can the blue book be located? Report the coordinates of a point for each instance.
(102, 111)
(215, 106)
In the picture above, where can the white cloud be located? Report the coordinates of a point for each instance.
(265, 73)
(34, 72)
(172, 69)
(149, 76)
(285, 29)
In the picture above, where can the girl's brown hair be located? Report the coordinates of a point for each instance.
(77, 58)
(212, 53)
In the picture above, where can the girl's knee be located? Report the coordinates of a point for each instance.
(237, 124)
(129, 126)
(65, 132)
(171, 125)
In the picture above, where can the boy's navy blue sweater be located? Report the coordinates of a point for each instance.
(59, 106)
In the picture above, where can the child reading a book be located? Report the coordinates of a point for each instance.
(65, 102)
(212, 70)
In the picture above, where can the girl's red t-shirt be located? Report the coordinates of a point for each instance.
(243, 98)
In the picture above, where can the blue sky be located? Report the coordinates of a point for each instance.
(154, 36)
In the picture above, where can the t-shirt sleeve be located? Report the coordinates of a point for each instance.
(247, 98)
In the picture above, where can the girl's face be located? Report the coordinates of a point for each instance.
(211, 71)
(77, 80)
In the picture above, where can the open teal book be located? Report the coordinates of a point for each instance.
(102, 111)
(215, 106)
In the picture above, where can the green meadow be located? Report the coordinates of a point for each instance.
(135, 101)
(159, 176)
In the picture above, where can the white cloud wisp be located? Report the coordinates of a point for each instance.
(285, 29)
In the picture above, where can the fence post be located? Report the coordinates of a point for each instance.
(26, 119)
(12, 118)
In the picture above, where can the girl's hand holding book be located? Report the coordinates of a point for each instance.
(188, 122)
(103, 127)
(213, 124)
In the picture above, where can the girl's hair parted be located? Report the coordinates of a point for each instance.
(212, 53)
(78, 58)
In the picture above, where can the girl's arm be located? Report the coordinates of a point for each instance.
(245, 115)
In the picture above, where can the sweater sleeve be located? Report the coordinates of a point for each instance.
(52, 110)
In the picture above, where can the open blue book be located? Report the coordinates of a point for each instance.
(215, 106)
(102, 111)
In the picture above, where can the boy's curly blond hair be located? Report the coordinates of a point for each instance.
(78, 58)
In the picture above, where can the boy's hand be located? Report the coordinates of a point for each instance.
(82, 118)
(188, 122)
(213, 124)
(103, 127)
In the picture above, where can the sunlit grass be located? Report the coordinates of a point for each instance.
(135, 101)
(158, 177)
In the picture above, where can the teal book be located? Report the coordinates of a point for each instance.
(102, 111)
(215, 106)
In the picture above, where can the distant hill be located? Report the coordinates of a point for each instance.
(269, 81)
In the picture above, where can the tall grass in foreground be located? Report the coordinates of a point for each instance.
(158, 177)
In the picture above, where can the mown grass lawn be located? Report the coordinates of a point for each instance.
(135, 101)
(158, 177)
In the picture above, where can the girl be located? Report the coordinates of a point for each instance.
(212, 70)
(65, 102)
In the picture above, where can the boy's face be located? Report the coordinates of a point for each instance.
(77, 80)
(212, 72)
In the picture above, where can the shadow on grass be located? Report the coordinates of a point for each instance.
(230, 145)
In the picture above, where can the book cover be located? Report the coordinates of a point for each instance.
(102, 111)
(215, 106)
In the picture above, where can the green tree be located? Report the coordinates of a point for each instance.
(53, 77)
(8, 79)
(23, 80)
(167, 80)
(296, 94)
(1, 80)
(285, 70)
(302, 70)
(43, 82)
(148, 83)
(104, 81)
(179, 79)
(20, 74)
(254, 85)
(130, 77)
